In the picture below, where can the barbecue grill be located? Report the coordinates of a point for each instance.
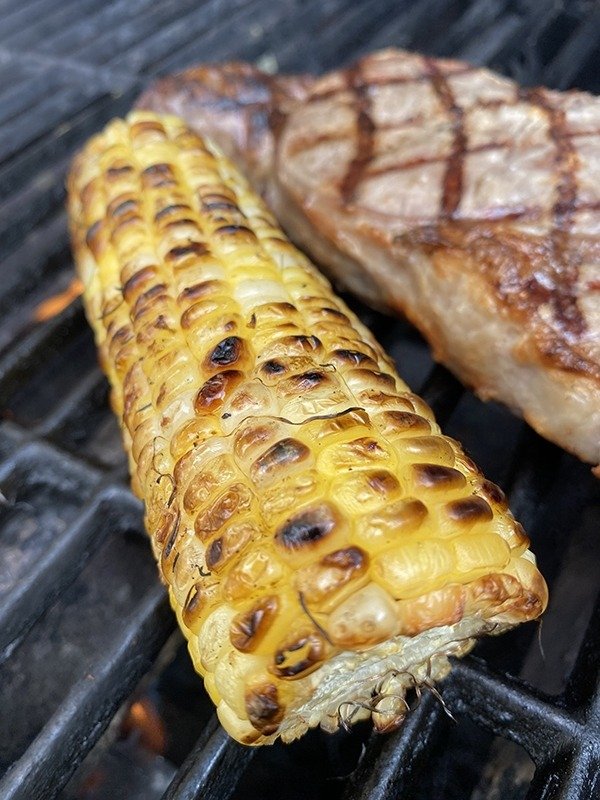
(85, 628)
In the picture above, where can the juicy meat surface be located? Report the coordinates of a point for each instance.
(447, 193)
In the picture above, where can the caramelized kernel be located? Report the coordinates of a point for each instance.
(403, 422)
(199, 600)
(263, 708)
(218, 472)
(469, 510)
(442, 607)
(352, 357)
(168, 210)
(198, 291)
(306, 528)
(214, 392)
(318, 581)
(302, 344)
(191, 249)
(214, 551)
(237, 498)
(227, 352)
(299, 656)
(395, 520)
(493, 493)
(383, 482)
(272, 367)
(436, 476)
(278, 457)
(247, 629)
(136, 281)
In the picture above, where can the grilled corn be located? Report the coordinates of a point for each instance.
(325, 547)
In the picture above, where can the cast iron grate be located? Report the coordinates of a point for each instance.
(82, 616)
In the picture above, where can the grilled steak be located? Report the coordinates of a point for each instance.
(451, 195)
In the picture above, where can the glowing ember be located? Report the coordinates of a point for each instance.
(144, 720)
(54, 305)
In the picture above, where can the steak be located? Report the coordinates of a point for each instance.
(443, 192)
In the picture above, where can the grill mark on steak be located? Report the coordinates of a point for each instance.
(399, 80)
(453, 179)
(365, 135)
(564, 261)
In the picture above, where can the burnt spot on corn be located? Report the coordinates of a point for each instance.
(214, 553)
(157, 175)
(298, 657)
(199, 290)
(226, 353)
(469, 509)
(307, 344)
(190, 249)
(233, 230)
(405, 421)
(353, 357)
(383, 482)
(349, 559)
(320, 581)
(147, 299)
(213, 393)
(307, 380)
(199, 597)
(247, 629)
(170, 209)
(119, 207)
(272, 367)
(212, 518)
(335, 314)
(493, 493)
(263, 708)
(115, 172)
(278, 457)
(218, 202)
(434, 476)
(133, 284)
(307, 528)
(91, 234)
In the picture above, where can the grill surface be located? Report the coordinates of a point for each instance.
(82, 614)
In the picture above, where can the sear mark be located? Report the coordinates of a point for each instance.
(249, 628)
(298, 657)
(469, 509)
(306, 528)
(263, 708)
(193, 248)
(278, 457)
(227, 352)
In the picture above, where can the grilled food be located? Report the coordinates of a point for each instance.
(451, 195)
(325, 547)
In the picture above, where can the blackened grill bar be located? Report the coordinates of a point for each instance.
(65, 514)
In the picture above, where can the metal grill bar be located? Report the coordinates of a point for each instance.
(213, 769)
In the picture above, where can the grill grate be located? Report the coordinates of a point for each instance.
(82, 617)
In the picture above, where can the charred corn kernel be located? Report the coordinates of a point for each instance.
(316, 531)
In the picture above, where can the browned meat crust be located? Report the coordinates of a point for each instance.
(445, 192)
(236, 104)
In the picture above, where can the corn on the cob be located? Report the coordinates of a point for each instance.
(325, 547)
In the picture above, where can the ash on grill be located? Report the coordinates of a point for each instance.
(97, 697)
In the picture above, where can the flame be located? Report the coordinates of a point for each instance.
(144, 719)
(54, 305)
